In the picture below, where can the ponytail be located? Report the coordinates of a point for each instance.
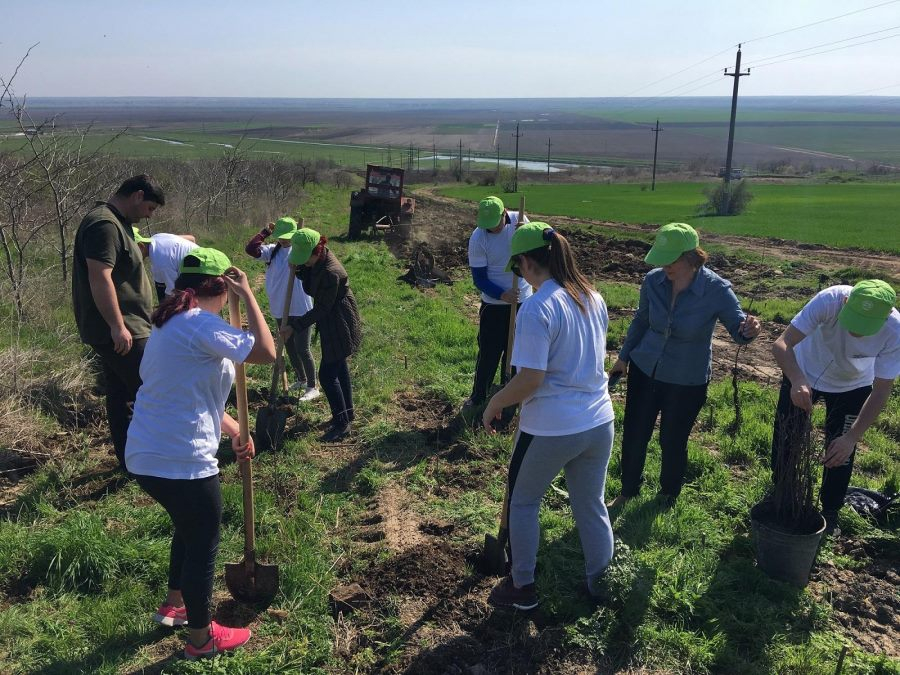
(188, 287)
(320, 247)
(557, 258)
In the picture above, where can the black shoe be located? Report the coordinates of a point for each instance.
(831, 519)
(336, 433)
(505, 594)
(666, 501)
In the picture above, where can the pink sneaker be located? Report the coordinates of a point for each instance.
(221, 639)
(169, 615)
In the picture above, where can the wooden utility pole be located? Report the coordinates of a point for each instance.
(548, 160)
(460, 173)
(655, 148)
(433, 158)
(737, 75)
(517, 136)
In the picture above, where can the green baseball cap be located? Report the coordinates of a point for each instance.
(868, 307)
(207, 261)
(285, 228)
(489, 211)
(302, 244)
(138, 237)
(528, 237)
(671, 241)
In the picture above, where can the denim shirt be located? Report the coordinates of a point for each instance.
(674, 343)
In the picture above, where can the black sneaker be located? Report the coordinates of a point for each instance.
(336, 433)
(505, 594)
(831, 520)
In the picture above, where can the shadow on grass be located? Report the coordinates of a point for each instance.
(112, 650)
(749, 609)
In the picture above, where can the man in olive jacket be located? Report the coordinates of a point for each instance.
(112, 296)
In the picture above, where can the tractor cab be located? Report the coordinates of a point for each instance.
(380, 205)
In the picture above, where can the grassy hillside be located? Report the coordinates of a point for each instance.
(852, 215)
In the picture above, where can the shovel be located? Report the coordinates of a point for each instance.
(494, 557)
(270, 421)
(248, 581)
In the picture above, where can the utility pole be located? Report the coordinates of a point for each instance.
(498, 161)
(655, 148)
(460, 172)
(737, 75)
(433, 157)
(517, 136)
(548, 160)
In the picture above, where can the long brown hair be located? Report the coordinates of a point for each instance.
(188, 287)
(557, 258)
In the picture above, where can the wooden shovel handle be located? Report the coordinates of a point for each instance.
(511, 333)
(240, 384)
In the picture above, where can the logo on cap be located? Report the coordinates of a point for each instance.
(661, 239)
(867, 305)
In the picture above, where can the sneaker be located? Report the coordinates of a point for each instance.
(169, 615)
(296, 386)
(831, 523)
(310, 394)
(221, 639)
(505, 594)
(336, 433)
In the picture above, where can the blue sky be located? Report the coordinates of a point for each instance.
(349, 48)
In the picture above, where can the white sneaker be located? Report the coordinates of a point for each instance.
(297, 385)
(310, 394)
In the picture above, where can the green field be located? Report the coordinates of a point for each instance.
(847, 215)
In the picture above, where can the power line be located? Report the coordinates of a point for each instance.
(821, 21)
(827, 51)
(823, 44)
(683, 70)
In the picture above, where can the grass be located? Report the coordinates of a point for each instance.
(685, 596)
(847, 215)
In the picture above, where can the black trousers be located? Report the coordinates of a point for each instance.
(195, 507)
(123, 379)
(334, 378)
(841, 410)
(300, 355)
(493, 332)
(677, 406)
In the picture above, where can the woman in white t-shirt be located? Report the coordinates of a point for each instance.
(179, 415)
(566, 419)
(278, 276)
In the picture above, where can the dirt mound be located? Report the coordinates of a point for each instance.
(864, 601)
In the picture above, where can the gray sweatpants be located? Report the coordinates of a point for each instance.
(535, 462)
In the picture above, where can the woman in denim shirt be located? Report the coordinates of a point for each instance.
(668, 355)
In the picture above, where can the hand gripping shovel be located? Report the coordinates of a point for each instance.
(248, 581)
(270, 421)
(494, 558)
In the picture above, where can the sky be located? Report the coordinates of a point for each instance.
(464, 49)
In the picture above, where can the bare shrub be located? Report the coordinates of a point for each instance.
(726, 199)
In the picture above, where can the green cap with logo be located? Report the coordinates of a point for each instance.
(207, 261)
(285, 228)
(528, 237)
(302, 244)
(489, 211)
(138, 237)
(671, 241)
(868, 307)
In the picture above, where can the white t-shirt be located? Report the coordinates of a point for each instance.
(492, 251)
(166, 253)
(187, 373)
(276, 283)
(831, 359)
(570, 347)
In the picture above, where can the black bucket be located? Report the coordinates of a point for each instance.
(782, 555)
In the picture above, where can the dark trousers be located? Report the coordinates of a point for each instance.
(493, 332)
(677, 406)
(841, 410)
(334, 378)
(123, 379)
(195, 507)
(300, 355)
(160, 291)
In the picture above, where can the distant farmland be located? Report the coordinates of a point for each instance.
(834, 132)
(847, 215)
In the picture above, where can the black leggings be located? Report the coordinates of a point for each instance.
(841, 410)
(493, 333)
(195, 507)
(677, 406)
(334, 378)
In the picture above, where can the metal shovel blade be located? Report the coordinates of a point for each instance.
(493, 560)
(251, 582)
(270, 423)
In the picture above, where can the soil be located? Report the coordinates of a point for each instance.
(865, 601)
